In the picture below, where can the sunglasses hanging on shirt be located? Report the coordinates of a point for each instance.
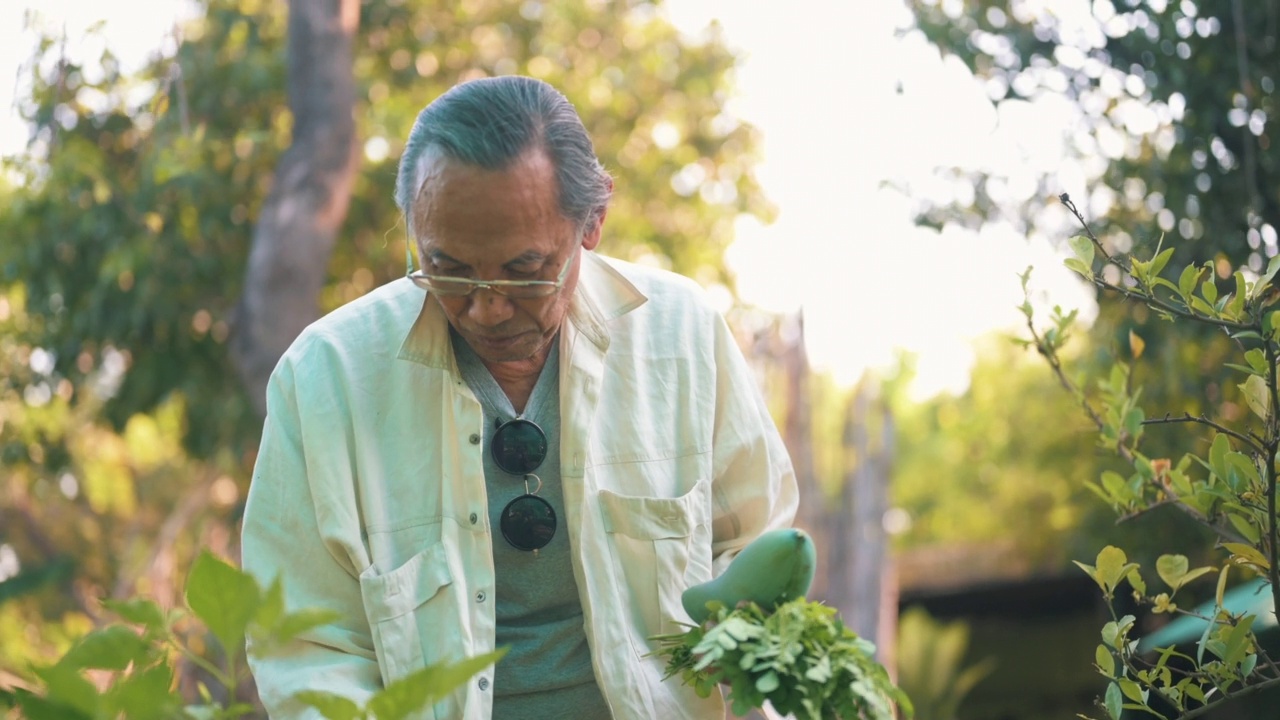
(519, 447)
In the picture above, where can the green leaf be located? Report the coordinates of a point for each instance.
(1202, 307)
(1105, 660)
(1092, 572)
(1271, 324)
(1131, 690)
(1112, 566)
(1079, 267)
(768, 682)
(1193, 574)
(1218, 455)
(224, 598)
(1113, 700)
(65, 685)
(1265, 280)
(1171, 569)
(1136, 581)
(1083, 249)
(1241, 368)
(138, 611)
(1238, 640)
(1248, 664)
(1242, 467)
(1248, 554)
(270, 609)
(1133, 422)
(1161, 282)
(1257, 360)
(331, 706)
(111, 648)
(1187, 281)
(1159, 261)
(34, 707)
(1209, 289)
(1245, 527)
(1256, 395)
(146, 695)
(1236, 306)
(415, 691)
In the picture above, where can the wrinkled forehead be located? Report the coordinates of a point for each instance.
(461, 205)
(439, 178)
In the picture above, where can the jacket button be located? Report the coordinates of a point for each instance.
(474, 439)
(474, 518)
(480, 596)
(484, 683)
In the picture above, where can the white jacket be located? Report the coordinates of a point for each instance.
(368, 493)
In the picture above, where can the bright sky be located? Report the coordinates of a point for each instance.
(820, 80)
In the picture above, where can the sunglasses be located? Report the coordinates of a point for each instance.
(519, 447)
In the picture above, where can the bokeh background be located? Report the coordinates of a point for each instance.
(857, 184)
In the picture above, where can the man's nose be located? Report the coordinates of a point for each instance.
(489, 307)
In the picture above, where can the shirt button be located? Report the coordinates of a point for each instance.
(484, 683)
(474, 439)
(480, 596)
(474, 518)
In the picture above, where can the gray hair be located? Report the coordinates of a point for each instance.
(489, 123)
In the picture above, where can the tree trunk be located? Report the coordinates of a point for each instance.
(298, 226)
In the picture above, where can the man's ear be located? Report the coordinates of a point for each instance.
(592, 237)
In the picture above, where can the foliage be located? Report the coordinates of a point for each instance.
(125, 437)
(1173, 105)
(979, 468)
(930, 656)
(157, 199)
(1227, 483)
(126, 669)
(1167, 114)
(800, 658)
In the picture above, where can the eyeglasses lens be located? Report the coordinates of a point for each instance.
(528, 522)
(519, 446)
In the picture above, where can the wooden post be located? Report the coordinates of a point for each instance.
(797, 434)
(862, 545)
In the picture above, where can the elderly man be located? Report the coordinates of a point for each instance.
(521, 444)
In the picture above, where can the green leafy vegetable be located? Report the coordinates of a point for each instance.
(800, 658)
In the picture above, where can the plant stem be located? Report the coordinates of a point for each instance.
(1125, 453)
(1273, 444)
(1243, 692)
(1147, 295)
(200, 662)
(1202, 420)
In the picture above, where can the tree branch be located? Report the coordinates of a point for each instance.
(1202, 420)
(1273, 434)
(1147, 296)
(1243, 692)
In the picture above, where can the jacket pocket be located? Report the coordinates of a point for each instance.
(660, 546)
(399, 604)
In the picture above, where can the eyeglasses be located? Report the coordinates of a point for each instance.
(517, 289)
(519, 447)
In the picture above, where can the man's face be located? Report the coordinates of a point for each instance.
(499, 225)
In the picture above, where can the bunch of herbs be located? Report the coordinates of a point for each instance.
(800, 658)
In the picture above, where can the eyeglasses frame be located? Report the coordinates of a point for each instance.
(424, 280)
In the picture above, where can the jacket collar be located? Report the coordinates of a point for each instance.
(603, 294)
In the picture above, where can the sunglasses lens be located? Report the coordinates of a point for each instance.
(519, 447)
(528, 522)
